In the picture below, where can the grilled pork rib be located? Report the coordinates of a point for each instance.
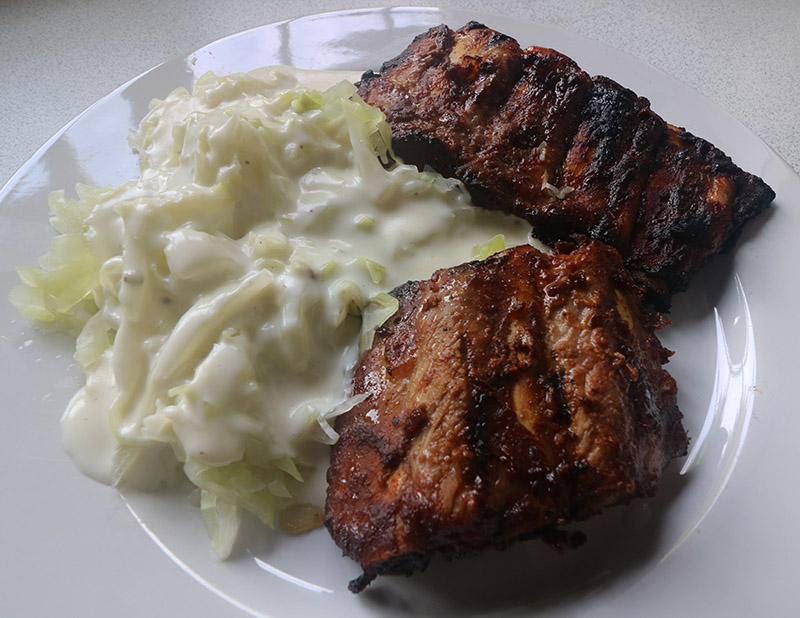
(530, 133)
(506, 397)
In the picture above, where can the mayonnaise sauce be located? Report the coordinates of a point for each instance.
(232, 272)
(85, 428)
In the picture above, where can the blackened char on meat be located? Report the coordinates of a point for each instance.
(506, 397)
(530, 133)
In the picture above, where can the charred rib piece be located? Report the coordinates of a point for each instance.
(506, 397)
(530, 133)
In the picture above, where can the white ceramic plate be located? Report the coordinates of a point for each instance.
(717, 540)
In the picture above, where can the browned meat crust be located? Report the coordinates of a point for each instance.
(522, 127)
(506, 397)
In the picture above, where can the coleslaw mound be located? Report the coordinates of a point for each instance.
(220, 300)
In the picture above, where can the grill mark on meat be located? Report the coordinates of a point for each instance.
(513, 123)
(533, 394)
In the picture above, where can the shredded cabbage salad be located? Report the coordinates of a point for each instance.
(220, 300)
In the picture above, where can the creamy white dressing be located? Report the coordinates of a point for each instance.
(85, 430)
(232, 274)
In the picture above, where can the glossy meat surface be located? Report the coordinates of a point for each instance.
(506, 397)
(530, 133)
